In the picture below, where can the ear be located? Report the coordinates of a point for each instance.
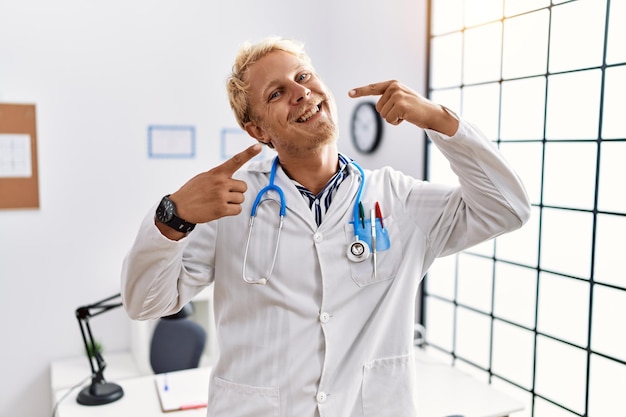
(257, 132)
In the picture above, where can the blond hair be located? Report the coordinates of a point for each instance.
(248, 54)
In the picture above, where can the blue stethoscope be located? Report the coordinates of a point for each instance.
(358, 250)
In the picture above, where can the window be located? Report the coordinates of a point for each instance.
(541, 312)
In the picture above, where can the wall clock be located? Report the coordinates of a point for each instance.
(366, 127)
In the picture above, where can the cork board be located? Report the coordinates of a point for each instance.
(19, 177)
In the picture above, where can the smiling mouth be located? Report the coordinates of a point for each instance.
(309, 113)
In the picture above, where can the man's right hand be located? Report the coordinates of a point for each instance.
(212, 194)
(398, 103)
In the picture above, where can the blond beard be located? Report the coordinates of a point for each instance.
(298, 148)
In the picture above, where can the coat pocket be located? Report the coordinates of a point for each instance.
(388, 256)
(239, 400)
(389, 388)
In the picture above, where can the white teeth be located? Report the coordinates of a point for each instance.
(306, 116)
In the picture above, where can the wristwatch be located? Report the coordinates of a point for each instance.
(166, 214)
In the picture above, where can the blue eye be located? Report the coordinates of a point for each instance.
(303, 77)
(274, 95)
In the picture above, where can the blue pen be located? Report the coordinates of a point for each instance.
(165, 385)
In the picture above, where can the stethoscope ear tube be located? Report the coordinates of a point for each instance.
(262, 280)
(283, 209)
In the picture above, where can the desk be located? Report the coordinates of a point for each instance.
(140, 399)
(442, 390)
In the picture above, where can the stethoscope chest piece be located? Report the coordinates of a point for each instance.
(358, 251)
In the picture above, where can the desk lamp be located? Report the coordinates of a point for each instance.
(99, 392)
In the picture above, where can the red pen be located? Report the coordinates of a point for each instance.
(192, 406)
(379, 215)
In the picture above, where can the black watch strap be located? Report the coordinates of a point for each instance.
(180, 224)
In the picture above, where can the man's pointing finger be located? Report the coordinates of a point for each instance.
(375, 89)
(233, 164)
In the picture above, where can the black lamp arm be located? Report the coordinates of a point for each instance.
(100, 392)
(83, 314)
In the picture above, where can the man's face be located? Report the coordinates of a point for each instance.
(290, 105)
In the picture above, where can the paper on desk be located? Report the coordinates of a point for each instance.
(183, 390)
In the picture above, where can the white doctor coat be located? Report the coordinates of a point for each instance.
(324, 336)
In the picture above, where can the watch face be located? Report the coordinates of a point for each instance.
(366, 127)
(165, 211)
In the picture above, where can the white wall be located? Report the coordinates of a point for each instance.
(99, 74)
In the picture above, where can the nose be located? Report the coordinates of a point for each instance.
(300, 92)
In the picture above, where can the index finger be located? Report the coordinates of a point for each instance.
(233, 164)
(375, 89)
